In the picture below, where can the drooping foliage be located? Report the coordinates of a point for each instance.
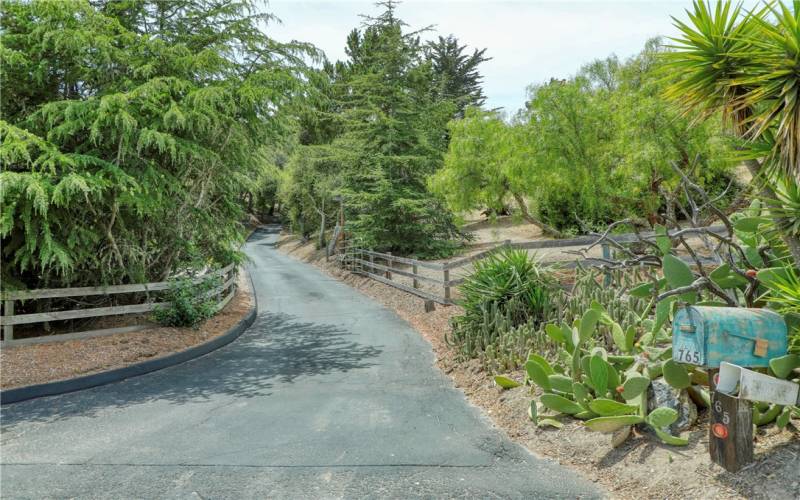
(130, 131)
(586, 151)
(376, 132)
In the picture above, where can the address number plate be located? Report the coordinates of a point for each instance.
(687, 351)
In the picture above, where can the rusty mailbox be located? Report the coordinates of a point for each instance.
(707, 336)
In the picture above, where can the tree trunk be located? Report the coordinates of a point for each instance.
(523, 208)
(322, 225)
(792, 242)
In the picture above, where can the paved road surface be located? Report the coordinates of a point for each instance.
(328, 394)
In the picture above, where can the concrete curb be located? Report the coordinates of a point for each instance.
(96, 379)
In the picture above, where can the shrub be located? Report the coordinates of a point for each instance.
(506, 290)
(190, 303)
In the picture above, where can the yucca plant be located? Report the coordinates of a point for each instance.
(506, 290)
(744, 65)
(783, 295)
(507, 275)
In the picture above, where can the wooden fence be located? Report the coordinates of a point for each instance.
(363, 261)
(8, 319)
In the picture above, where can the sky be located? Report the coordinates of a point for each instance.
(529, 41)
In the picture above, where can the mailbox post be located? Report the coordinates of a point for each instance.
(730, 433)
(719, 336)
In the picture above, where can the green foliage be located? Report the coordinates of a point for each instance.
(477, 167)
(608, 390)
(505, 382)
(676, 375)
(190, 302)
(455, 75)
(783, 294)
(740, 64)
(509, 284)
(381, 122)
(586, 151)
(130, 132)
(507, 275)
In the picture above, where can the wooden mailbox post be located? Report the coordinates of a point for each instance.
(727, 336)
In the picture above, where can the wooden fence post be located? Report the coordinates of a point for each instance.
(8, 330)
(447, 284)
(415, 270)
(606, 255)
(389, 265)
(371, 263)
(221, 291)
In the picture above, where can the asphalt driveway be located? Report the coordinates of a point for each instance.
(328, 394)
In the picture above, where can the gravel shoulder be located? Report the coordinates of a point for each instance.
(640, 468)
(24, 365)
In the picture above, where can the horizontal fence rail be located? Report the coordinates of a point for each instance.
(572, 242)
(363, 261)
(8, 319)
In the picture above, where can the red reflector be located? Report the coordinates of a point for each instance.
(720, 430)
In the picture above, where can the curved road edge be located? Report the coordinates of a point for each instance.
(96, 379)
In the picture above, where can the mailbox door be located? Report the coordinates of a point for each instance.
(689, 337)
(745, 337)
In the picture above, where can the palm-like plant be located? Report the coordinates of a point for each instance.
(773, 76)
(708, 56)
(746, 66)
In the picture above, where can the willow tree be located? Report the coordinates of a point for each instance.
(129, 132)
(491, 164)
(586, 151)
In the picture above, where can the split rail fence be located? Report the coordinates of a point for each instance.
(381, 266)
(8, 319)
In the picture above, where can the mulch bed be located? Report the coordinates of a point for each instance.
(39, 363)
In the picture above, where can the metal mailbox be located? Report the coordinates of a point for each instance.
(707, 336)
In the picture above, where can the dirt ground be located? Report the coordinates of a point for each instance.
(640, 468)
(38, 363)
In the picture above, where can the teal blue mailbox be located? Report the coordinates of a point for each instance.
(707, 336)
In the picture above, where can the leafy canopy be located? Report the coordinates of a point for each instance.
(586, 151)
(130, 131)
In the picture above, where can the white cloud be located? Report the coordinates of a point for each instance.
(529, 42)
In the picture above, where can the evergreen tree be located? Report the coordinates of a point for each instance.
(455, 74)
(130, 131)
(390, 134)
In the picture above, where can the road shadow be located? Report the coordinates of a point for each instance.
(277, 349)
(260, 236)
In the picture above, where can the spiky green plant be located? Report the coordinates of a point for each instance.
(783, 294)
(508, 292)
(744, 66)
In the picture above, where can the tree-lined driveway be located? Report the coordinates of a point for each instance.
(328, 394)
